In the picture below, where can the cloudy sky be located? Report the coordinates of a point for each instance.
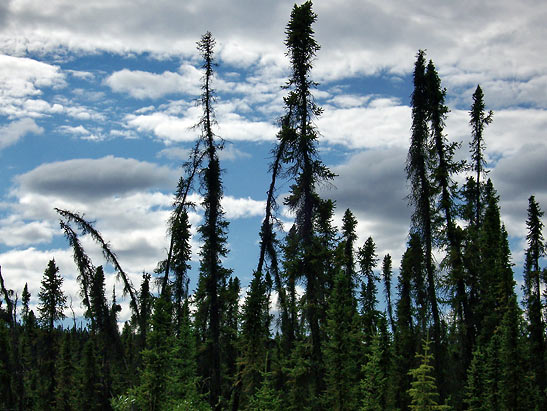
(97, 100)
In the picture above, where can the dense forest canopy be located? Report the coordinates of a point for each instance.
(326, 320)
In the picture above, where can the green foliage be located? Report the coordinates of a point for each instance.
(266, 398)
(374, 383)
(329, 348)
(475, 389)
(342, 348)
(423, 390)
(64, 378)
(51, 296)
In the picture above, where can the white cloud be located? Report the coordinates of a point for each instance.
(76, 130)
(242, 207)
(172, 129)
(86, 179)
(16, 232)
(231, 153)
(382, 123)
(143, 85)
(21, 76)
(14, 131)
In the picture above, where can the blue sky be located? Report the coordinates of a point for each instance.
(97, 99)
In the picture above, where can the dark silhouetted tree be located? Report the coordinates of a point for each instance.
(532, 292)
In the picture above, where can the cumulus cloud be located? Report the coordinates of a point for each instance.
(14, 131)
(516, 178)
(21, 76)
(86, 179)
(173, 128)
(242, 207)
(357, 38)
(381, 123)
(372, 184)
(16, 232)
(143, 85)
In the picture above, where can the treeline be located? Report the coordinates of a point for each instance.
(452, 335)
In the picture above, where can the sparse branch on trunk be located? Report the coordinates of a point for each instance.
(87, 228)
(9, 302)
(181, 204)
(83, 262)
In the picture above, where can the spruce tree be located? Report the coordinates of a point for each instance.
(91, 389)
(423, 391)
(421, 187)
(64, 378)
(343, 346)
(475, 388)
(369, 313)
(478, 121)
(213, 275)
(374, 382)
(254, 338)
(52, 299)
(305, 166)
(152, 393)
(443, 170)
(532, 292)
(405, 330)
(386, 276)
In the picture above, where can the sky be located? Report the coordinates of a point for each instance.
(98, 100)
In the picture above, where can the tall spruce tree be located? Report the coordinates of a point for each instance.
(421, 187)
(305, 166)
(213, 275)
(479, 119)
(343, 345)
(367, 262)
(532, 292)
(254, 339)
(52, 298)
(405, 331)
(386, 276)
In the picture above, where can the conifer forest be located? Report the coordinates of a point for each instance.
(326, 323)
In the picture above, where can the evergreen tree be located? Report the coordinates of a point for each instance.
(91, 390)
(421, 186)
(386, 276)
(266, 398)
(51, 297)
(29, 359)
(98, 305)
(213, 233)
(423, 391)
(532, 292)
(254, 338)
(145, 304)
(512, 381)
(25, 299)
(405, 333)
(152, 393)
(367, 263)
(475, 389)
(183, 388)
(52, 302)
(493, 373)
(291, 270)
(6, 394)
(451, 237)
(342, 348)
(478, 121)
(64, 378)
(229, 325)
(374, 383)
(305, 167)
